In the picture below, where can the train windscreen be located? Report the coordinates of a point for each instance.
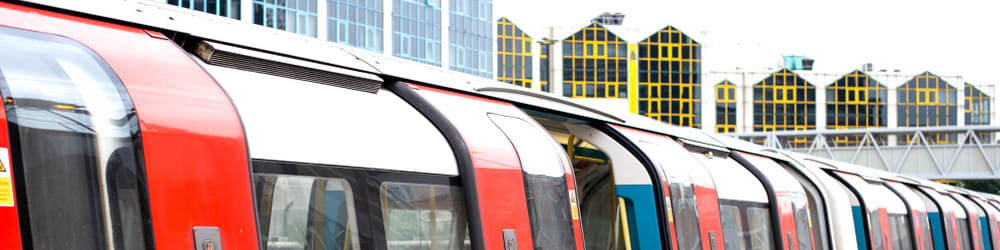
(75, 145)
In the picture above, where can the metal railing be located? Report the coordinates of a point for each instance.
(951, 152)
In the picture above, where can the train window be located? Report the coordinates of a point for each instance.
(544, 183)
(684, 204)
(423, 216)
(951, 212)
(864, 225)
(732, 227)
(738, 190)
(933, 238)
(787, 186)
(898, 215)
(817, 210)
(74, 144)
(973, 215)
(300, 212)
(962, 225)
(759, 221)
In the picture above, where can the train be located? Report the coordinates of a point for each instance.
(138, 125)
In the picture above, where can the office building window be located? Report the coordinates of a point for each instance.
(513, 54)
(595, 64)
(725, 107)
(856, 100)
(784, 101)
(416, 30)
(226, 8)
(470, 37)
(927, 101)
(293, 16)
(669, 78)
(357, 23)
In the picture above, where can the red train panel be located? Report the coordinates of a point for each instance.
(195, 152)
(10, 233)
(498, 171)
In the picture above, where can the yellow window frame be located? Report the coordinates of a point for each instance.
(592, 46)
(927, 96)
(787, 94)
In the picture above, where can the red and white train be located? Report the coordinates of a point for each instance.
(136, 125)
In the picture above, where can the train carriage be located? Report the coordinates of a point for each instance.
(136, 125)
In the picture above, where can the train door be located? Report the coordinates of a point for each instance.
(935, 220)
(693, 205)
(525, 185)
(991, 204)
(973, 223)
(617, 198)
(817, 208)
(954, 220)
(920, 228)
(840, 204)
(744, 205)
(791, 206)
(988, 223)
(899, 223)
(873, 210)
(83, 175)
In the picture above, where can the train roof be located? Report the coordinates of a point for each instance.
(248, 36)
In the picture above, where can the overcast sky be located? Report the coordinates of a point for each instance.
(945, 37)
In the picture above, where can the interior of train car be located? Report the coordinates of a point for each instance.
(614, 187)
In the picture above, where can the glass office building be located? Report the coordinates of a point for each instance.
(470, 37)
(416, 30)
(226, 8)
(356, 23)
(410, 29)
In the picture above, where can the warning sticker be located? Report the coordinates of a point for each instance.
(670, 212)
(576, 212)
(6, 187)
(572, 205)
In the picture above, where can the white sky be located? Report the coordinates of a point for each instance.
(945, 37)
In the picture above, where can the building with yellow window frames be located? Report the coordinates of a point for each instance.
(658, 72)
(654, 72)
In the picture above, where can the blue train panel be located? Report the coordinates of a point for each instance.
(984, 226)
(937, 231)
(644, 228)
(859, 228)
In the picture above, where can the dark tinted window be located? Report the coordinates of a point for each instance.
(422, 216)
(818, 210)
(544, 183)
(963, 233)
(302, 212)
(75, 139)
(683, 203)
